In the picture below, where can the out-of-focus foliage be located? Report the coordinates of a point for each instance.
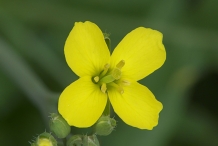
(33, 71)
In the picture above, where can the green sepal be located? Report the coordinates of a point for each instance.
(75, 140)
(90, 140)
(46, 139)
(107, 41)
(105, 125)
(59, 125)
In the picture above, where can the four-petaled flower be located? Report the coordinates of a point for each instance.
(103, 76)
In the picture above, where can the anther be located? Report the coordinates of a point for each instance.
(106, 67)
(104, 88)
(118, 87)
(125, 82)
(120, 64)
(96, 79)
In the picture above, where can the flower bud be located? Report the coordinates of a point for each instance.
(105, 125)
(75, 140)
(45, 139)
(59, 125)
(90, 140)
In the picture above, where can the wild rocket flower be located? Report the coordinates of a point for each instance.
(113, 77)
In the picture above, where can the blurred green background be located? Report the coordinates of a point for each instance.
(33, 71)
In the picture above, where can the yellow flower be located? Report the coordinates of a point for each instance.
(103, 76)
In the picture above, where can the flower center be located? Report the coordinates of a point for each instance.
(109, 78)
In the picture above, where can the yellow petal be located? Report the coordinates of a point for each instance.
(143, 52)
(82, 103)
(85, 49)
(137, 106)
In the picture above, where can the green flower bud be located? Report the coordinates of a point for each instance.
(75, 140)
(90, 140)
(45, 139)
(105, 125)
(59, 125)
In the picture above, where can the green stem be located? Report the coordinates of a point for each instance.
(107, 109)
(64, 141)
(108, 42)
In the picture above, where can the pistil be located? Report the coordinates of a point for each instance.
(107, 78)
(116, 73)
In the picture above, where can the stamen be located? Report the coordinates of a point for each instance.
(119, 88)
(106, 67)
(104, 88)
(96, 79)
(120, 64)
(125, 82)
